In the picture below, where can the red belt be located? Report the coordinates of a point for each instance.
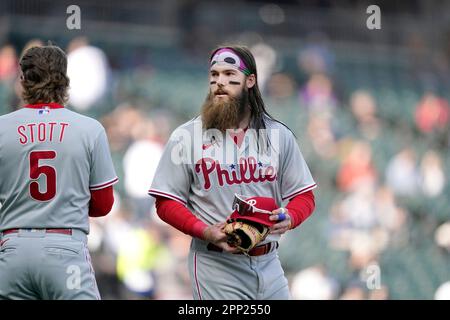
(60, 231)
(256, 251)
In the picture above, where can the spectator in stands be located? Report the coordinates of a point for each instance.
(364, 108)
(266, 58)
(391, 217)
(443, 292)
(316, 56)
(313, 283)
(139, 164)
(432, 114)
(442, 236)
(321, 135)
(432, 174)
(317, 95)
(281, 86)
(119, 125)
(357, 167)
(402, 174)
(88, 70)
(9, 64)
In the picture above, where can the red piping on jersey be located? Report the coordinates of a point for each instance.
(87, 257)
(104, 185)
(195, 275)
(156, 193)
(51, 105)
(300, 191)
(301, 207)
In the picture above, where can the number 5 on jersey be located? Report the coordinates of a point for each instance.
(48, 171)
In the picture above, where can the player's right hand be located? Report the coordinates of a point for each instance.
(218, 237)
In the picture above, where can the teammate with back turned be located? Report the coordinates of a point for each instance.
(222, 179)
(55, 172)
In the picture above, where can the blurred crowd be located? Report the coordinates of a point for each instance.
(383, 177)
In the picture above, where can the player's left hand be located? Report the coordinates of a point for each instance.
(282, 215)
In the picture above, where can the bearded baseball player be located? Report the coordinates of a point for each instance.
(223, 178)
(55, 172)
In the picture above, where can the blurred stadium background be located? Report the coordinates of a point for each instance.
(370, 109)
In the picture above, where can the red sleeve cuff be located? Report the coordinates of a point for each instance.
(198, 228)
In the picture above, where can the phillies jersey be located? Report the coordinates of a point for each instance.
(204, 169)
(50, 160)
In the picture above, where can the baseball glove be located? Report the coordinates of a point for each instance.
(244, 234)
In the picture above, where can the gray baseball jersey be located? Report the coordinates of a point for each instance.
(203, 170)
(50, 159)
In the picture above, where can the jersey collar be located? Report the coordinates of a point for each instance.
(50, 105)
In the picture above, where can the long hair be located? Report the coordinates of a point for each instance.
(44, 77)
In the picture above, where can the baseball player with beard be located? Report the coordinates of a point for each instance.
(233, 148)
(55, 172)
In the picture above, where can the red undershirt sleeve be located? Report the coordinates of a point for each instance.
(101, 202)
(301, 207)
(179, 217)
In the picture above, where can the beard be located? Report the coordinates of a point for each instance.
(224, 114)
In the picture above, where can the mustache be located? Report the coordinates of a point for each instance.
(220, 91)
